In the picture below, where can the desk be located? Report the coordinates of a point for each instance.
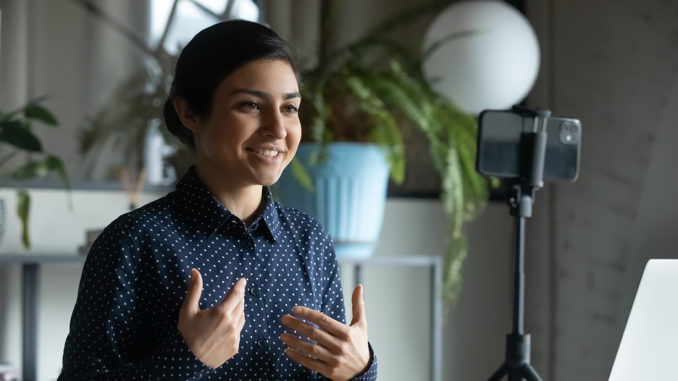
(30, 283)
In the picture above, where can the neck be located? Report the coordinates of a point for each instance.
(244, 201)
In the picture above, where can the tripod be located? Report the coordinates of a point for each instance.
(532, 151)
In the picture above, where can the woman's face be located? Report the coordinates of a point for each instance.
(254, 130)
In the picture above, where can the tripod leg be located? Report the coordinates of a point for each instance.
(501, 372)
(529, 373)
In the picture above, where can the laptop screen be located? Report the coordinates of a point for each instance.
(649, 346)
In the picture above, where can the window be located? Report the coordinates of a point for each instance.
(191, 16)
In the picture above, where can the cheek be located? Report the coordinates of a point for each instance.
(294, 132)
(227, 135)
(293, 138)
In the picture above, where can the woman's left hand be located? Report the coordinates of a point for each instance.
(340, 352)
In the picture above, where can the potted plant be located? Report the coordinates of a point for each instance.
(15, 132)
(356, 94)
(351, 143)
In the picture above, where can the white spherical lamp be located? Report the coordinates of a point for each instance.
(481, 55)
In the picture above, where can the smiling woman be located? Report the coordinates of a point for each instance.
(205, 282)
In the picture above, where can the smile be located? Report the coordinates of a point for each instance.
(266, 152)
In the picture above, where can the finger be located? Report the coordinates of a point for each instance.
(306, 361)
(316, 334)
(241, 322)
(237, 312)
(234, 296)
(358, 306)
(315, 350)
(323, 321)
(192, 298)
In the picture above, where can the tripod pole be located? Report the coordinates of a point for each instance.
(533, 148)
(519, 277)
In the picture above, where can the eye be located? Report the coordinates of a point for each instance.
(248, 105)
(291, 109)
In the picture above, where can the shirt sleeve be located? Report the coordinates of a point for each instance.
(333, 305)
(106, 339)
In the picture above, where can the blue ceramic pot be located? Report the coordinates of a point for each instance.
(349, 197)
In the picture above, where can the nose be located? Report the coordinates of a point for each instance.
(275, 125)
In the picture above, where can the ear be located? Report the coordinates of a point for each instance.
(187, 117)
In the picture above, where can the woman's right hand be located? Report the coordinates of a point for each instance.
(214, 334)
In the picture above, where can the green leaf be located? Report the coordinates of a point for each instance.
(385, 131)
(301, 174)
(16, 134)
(445, 39)
(54, 164)
(22, 209)
(453, 191)
(35, 111)
(41, 168)
(387, 136)
(452, 264)
(32, 170)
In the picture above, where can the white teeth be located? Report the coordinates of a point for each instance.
(267, 152)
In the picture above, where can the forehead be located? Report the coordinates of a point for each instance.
(273, 76)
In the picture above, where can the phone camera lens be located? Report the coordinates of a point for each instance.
(569, 133)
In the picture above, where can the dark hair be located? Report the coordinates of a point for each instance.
(213, 54)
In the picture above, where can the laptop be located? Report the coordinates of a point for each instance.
(649, 346)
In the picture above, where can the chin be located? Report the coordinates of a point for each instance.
(268, 180)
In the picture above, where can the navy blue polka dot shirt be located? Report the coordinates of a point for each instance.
(124, 324)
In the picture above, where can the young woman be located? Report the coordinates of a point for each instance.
(216, 280)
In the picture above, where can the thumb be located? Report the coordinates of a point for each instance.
(234, 296)
(194, 292)
(358, 306)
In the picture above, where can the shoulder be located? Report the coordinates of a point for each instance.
(309, 237)
(301, 223)
(129, 227)
(138, 219)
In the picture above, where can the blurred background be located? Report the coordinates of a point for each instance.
(613, 65)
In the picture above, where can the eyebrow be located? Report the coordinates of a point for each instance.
(265, 95)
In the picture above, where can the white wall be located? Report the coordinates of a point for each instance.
(397, 299)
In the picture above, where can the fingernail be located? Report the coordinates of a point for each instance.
(296, 310)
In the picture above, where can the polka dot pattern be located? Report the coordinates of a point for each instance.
(136, 275)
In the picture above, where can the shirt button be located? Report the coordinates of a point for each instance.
(261, 343)
(254, 291)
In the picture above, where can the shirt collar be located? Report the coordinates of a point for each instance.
(203, 210)
(270, 215)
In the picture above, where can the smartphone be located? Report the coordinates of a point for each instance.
(499, 144)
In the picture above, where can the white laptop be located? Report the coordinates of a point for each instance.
(649, 346)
